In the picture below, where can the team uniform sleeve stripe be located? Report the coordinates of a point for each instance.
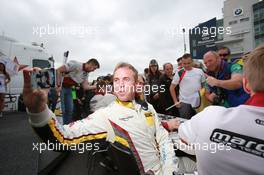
(75, 140)
(122, 141)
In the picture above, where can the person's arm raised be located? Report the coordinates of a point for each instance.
(45, 124)
(59, 72)
(34, 99)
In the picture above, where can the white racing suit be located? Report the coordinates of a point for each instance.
(124, 122)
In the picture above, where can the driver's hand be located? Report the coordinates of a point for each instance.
(173, 124)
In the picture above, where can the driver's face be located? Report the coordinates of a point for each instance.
(124, 84)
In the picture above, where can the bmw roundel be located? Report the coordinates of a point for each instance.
(238, 12)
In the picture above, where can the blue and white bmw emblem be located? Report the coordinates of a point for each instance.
(238, 11)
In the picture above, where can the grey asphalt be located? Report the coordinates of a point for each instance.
(17, 155)
(16, 139)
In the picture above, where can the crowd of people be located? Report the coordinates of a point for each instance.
(125, 105)
(171, 91)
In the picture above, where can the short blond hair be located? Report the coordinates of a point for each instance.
(254, 69)
(129, 66)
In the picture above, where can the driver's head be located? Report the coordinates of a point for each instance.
(124, 81)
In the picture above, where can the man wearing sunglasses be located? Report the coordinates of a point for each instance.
(224, 53)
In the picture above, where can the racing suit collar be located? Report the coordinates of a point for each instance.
(256, 100)
(128, 104)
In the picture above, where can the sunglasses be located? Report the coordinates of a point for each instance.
(223, 55)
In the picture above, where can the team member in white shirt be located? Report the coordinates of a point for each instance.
(237, 132)
(71, 75)
(190, 80)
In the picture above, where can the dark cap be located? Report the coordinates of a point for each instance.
(153, 62)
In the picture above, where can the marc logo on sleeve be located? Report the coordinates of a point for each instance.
(239, 142)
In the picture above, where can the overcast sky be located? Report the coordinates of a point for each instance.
(133, 31)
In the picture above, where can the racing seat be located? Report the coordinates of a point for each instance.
(123, 159)
(119, 160)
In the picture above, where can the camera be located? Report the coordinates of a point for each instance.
(45, 78)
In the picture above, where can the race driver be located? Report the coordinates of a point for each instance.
(123, 121)
(239, 128)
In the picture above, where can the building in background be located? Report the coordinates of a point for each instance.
(258, 11)
(243, 25)
(238, 14)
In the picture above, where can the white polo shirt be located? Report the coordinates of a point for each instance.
(241, 129)
(76, 72)
(190, 86)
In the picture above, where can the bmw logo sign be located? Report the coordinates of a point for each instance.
(238, 12)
